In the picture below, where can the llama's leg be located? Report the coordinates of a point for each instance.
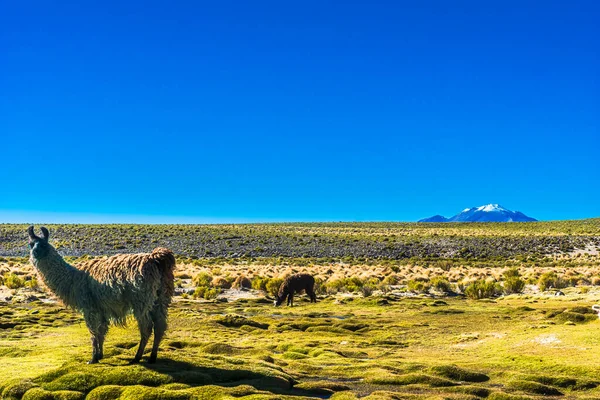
(291, 299)
(145, 326)
(159, 318)
(102, 330)
(311, 294)
(93, 322)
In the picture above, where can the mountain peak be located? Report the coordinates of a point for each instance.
(491, 208)
(485, 213)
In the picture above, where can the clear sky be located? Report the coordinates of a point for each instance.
(156, 111)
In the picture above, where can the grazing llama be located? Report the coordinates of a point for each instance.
(108, 289)
(296, 284)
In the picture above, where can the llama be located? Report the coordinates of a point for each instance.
(296, 284)
(107, 290)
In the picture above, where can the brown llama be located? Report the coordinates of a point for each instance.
(295, 284)
(107, 289)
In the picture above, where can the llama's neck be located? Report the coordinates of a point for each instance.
(58, 275)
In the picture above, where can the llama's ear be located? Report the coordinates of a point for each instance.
(45, 233)
(31, 233)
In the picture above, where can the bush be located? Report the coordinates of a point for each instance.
(511, 273)
(512, 281)
(272, 286)
(418, 285)
(390, 280)
(550, 280)
(441, 284)
(260, 283)
(482, 289)
(32, 283)
(203, 279)
(367, 290)
(513, 285)
(206, 293)
(320, 287)
(353, 284)
(13, 281)
(445, 265)
(334, 286)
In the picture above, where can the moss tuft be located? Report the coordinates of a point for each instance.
(106, 392)
(564, 382)
(132, 375)
(41, 394)
(78, 381)
(412, 379)
(292, 355)
(16, 389)
(237, 321)
(151, 393)
(459, 374)
(506, 396)
(535, 388)
(322, 387)
(220, 348)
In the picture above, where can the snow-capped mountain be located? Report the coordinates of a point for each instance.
(487, 213)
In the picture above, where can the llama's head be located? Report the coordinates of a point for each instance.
(39, 245)
(278, 300)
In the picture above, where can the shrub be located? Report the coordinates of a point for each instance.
(367, 290)
(320, 287)
(550, 280)
(418, 285)
(203, 279)
(482, 289)
(272, 286)
(206, 293)
(13, 281)
(512, 281)
(32, 283)
(260, 283)
(441, 284)
(390, 280)
(334, 286)
(353, 284)
(445, 265)
(513, 285)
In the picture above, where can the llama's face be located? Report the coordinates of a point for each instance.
(39, 246)
(278, 301)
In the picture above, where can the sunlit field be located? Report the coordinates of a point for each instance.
(423, 311)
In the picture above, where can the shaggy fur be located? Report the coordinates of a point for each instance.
(107, 290)
(296, 284)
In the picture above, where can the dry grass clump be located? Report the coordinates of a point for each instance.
(242, 282)
(220, 282)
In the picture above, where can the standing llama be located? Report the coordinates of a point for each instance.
(295, 284)
(106, 290)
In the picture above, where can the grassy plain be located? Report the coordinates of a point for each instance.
(393, 341)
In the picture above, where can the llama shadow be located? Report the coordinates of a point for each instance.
(198, 375)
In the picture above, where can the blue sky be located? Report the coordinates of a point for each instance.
(297, 111)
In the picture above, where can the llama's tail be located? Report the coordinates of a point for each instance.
(166, 263)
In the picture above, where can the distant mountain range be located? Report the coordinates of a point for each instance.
(487, 213)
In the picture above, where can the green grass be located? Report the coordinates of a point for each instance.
(504, 349)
